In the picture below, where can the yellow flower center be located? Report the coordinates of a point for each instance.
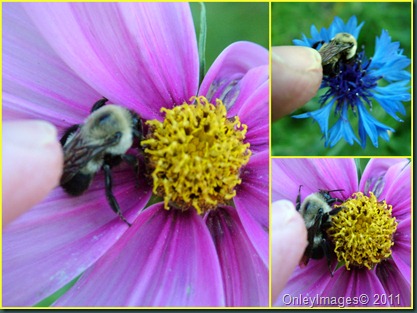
(195, 155)
(362, 231)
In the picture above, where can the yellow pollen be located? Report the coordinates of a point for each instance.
(195, 155)
(362, 231)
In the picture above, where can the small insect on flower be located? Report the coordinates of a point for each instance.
(316, 211)
(101, 142)
(342, 48)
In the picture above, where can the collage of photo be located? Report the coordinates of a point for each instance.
(254, 155)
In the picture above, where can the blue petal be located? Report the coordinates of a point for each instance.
(299, 42)
(314, 32)
(342, 129)
(326, 35)
(372, 127)
(391, 105)
(388, 60)
(321, 116)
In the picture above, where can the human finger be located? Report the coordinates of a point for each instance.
(289, 240)
(32, 165)
(296, 76)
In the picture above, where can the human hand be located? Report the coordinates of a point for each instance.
(289, 240)
(32, 165)
(296, 76)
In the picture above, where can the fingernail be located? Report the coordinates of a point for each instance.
(298, 58)
(31, 134)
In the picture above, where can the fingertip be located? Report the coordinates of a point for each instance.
(32, 165)
(296, 76)
(289, 240)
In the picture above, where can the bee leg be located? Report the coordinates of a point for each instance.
(99, 104)
(132, 161)
(298, 201)
(326, 249)
(109, 193)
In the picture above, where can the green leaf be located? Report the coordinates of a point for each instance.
(202, 42)
(55, 296)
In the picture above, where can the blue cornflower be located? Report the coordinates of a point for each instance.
(356, 85)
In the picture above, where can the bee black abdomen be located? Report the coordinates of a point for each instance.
(331, 69)
(317, 253)
(78, 184)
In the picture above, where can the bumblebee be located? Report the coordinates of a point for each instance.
(317, 212)
(342, 48)
(101, 142)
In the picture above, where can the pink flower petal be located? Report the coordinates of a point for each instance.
(36, 82)
(312, 174)
(398, 190)
(252, 202)
(167, 258)
(401, 251)
(379, 174)
(245, 276)
(140, 55)
(305, 281)
(60, 238)
(358, 285)
(395, 284)
(223, 80)
(252, 107)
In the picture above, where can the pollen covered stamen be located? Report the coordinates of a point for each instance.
(195, 155)
(362, 231)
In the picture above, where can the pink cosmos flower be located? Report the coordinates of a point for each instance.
(388, 283)
(58, 59)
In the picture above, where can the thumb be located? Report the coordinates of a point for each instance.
(289, 240)
(32, 165)
(296, 77)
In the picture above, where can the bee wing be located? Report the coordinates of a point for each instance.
(80, 151)
(333, 48)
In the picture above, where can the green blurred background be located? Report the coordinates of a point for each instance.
(302, 136)
(229, 22)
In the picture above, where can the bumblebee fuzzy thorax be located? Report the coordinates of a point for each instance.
(311, 206)
(105, 123)
(347, 40)
(342, 47)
